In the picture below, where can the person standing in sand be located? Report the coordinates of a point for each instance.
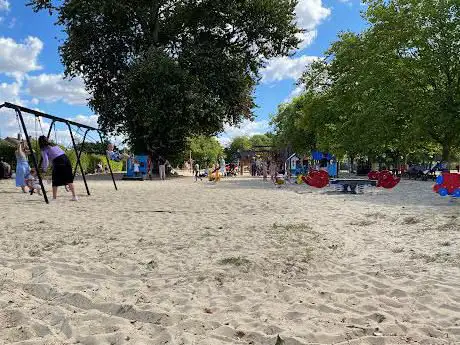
(22, 166)
(272, 168)
(62, 174)
(162, 167)
(196, 169)
(264, 170)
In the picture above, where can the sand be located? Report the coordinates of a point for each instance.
(240, 262)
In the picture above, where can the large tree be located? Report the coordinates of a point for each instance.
(160, 71)
(205, 150)
(389, 92)
(424, 35)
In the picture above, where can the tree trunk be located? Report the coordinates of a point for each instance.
(445, 153)
(352, 162)
(156, 27)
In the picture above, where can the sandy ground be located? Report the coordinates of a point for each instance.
(240, 262)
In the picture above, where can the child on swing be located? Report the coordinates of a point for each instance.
(115, 155)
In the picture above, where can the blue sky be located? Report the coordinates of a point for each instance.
(31, 71)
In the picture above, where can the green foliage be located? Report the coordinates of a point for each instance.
(245, 143)
(89, 162)
(296, 125)
(205, 150)
(94, 147)
(7, 152)
(389, 93)
(162, 71)
(238, 144)
(427, 46)
(260, 140)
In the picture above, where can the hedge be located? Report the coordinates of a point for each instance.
(7, 152)
(88, 161)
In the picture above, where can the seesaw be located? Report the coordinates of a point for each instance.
(380, 179)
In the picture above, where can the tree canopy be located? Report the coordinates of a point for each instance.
(205, 150)
(160, 71)
(391, 92)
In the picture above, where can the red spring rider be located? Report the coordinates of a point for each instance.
(317, 178)
(385, 179)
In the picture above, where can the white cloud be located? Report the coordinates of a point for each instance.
(9, 126)
(246, 128)
(306, 38)
(89, 120)
(9, 92)
(284, 68)
(296, 92)
(19, 58)
(53, 88)
(310, 13)
(4, 5)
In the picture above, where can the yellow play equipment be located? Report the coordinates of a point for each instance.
(299, 179)
(214, 176)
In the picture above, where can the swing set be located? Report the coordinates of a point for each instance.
(54, 119)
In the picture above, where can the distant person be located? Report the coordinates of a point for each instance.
(162, 167)
(264, 170)
(99, 169)
(253, 168)
(5, 169)
(62, 173)
(136, 168)
(323, 162)
(272, 168)
(22, 166)
(196, 169)
(223, 170)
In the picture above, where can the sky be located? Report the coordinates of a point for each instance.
(31, 73)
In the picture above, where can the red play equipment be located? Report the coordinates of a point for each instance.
(320, 179)
(448, 184)
(317, 178)
(384, 178)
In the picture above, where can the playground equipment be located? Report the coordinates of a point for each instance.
(143, 162)
(215, 175)
(19, 110)
(448, 184)
(379, 179)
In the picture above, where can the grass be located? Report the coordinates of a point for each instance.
(437, 257)
(410, 220)
(362, 223)
(151, 265)
(292, 227)
(398, 250)
(235, 261)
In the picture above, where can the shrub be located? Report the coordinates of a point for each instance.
(89, 162)
(7, 152)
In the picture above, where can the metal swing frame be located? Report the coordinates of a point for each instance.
(19, 110)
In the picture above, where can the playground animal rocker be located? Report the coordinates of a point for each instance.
(317, 178)
(385, 179)
(448, 184)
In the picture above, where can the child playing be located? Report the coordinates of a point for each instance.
(32, 182)
(136, 168)
(115, 155)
